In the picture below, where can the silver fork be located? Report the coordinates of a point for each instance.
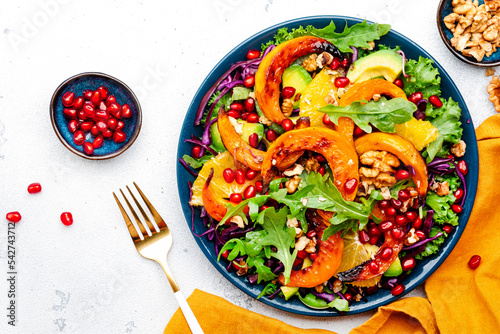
(155, 247)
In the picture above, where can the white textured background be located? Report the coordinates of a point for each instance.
(88, 278)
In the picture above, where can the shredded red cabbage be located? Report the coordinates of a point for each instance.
(186, 166)
(423, 242)
(404, 62)
(354, 54)
(323, 295)
(428, 222)
(462, 178)
(196, 141)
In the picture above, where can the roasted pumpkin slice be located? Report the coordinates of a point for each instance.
(400, 147)
(336, 149)
(269, 75)
(326, 264)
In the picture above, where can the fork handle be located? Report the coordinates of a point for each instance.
(188, 313)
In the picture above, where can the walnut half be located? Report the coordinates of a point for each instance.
(381, 171)
(494, 90)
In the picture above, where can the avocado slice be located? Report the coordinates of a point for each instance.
(216, 138)
(382, 63)
(297, 77)
(250, 128)
(395, 269)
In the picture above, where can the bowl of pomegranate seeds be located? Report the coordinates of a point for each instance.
(95, 115)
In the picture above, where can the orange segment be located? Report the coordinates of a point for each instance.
(420, 133)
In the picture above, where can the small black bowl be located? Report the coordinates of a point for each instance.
(444, 9)
(93, 80)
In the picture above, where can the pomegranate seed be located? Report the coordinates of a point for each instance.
(73, 125)
(101, 115)
(126, 111)
(345, 63)
(391, 212)
(120, 125)
(258, 186)
(448, 228)
(253, 118)
(398, 289)
(358, 132)
(374, 267)
(240, 176)
(195, 151)
(79, 137)
(69, 113)
(228, 175)
(234, 114)
(351, 185)
(313, 256)
(249, 81)
(253, 140)
(288, 92)
(462, 167)
(397, 233)
(386, 253)
(302, 254)
(335, 64)
(98, 141)
(297, 262)
(320, 158)
(101, 126)
(474, 261)
(225, 254)
(13, 217)
(119, 137)
(411, 216)
(386, 226)
(88, 148)
(107, 134)
(408, 263)
(34, 188)
(87, 94)
(459, 193)
(67, 218)
(311, 234)
(95, 98)
(416, 97)
(341, 82)
(384, 204)
(403, 195)
(322, 170)
(110, 99)
(68, 99)
(262, 208)
(398, 82)
(326, 120)
(287, 124)
(236, 106)
(401, 220)
(374, 239)
(420, 234)
(271, 135)
(244, 116)
(253, 54)
(402, 174)
(418, 223)
(363, 237)
(111, 123)
(86, 126)
(113, 108)
(435, 101)
(78, 103)
(251, 174)
(235, 198)
(103, 91)
(249, 104)
(396, 203)
(374, 231)
(81, 115)
(94, 130)
(348, 296)
(250, 192)
(457, 208)
(88, 109)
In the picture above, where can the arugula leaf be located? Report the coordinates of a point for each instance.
(432, 247)
(382, 114)
(447, 120)
(279, 236)
(264, 272)
(269, 289)
(423, 77)
(237, 210)
(443, 214)
(197, 163)
(403, 184)
(357, 35)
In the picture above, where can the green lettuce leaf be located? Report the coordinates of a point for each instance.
(423, 77)
(382, 114)
(432, 247)
(197, 163)
(443, 214)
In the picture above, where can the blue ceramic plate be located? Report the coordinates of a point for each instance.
(444, 9)
(424, 268)
(77, 84)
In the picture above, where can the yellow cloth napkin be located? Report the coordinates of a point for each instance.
(460, 300)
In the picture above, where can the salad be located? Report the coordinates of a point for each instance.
(328, 165)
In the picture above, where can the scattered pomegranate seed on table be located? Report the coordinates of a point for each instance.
(67, 218)
(13, 217)
(474, 261)
(34, 188)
